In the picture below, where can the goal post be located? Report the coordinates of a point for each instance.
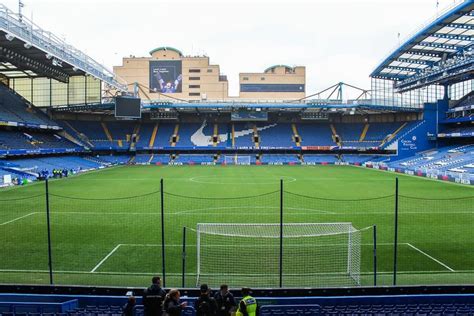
(237, 160)
(313, 254)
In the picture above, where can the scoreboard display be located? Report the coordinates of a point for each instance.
(128, 107)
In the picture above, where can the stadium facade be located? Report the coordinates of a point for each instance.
(168, 74)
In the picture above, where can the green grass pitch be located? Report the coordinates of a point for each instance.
(102, 237)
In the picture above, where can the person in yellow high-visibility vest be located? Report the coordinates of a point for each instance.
(248, 304)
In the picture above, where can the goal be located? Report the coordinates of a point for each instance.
(312, 254)
(237, 160)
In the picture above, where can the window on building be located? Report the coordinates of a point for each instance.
(194, 78)
(245, 78)
(195, 70)
(194, 86)
(209, 70)
(262, 78)
(194, 94)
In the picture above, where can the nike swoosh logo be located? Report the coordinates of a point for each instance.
(198, 138)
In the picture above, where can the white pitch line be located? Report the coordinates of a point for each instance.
(106, 257)
(432, 258)
(18, 218)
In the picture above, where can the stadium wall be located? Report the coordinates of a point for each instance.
(420, 137)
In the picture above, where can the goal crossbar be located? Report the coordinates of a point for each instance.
(329, 252)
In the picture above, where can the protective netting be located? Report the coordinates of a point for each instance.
(436, 238)
(108, 241)
(23, 235)
(312, 254)
(113, 237)
(186, 211)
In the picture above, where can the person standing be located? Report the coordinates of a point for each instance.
(153, 298)
(171, 305)
(248, 304)
(205, 305)
(225, 301)
(128, 308)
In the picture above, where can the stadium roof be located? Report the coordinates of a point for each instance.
(277, 66)
(166, 48)
(27, 51)
(449, 35)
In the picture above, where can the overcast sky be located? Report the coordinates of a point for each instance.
(337, 40)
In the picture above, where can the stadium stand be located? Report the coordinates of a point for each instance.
(451, 160)
(193, 159)
(277, 136)
(87, 305)
(242, 134)
(163, 135)
(14, 108)
(279, 159)
(32, 140)
(318, 134)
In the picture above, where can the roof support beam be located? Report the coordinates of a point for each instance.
(459, 26)
(425, 53)
(416, 61)
(443, 46)
(402, 68)
(452, 36)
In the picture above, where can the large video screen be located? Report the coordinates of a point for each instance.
(128, 107)
(166, 76)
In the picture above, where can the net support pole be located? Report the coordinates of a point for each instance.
(375, 255)
(183, 275)
(48, 222)
(281, 235)
(163, 261)
(395, 241)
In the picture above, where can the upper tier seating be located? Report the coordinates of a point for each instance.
(185, 132)
(278, 136)
(95, 133)
(16, 109)
(165, 131)
(243, 134)
(315, 134)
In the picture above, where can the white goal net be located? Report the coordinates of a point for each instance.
(237, 160)
(312, 255)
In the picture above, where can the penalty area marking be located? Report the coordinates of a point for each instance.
(105, 258)
(431, 257)
(286, 179)
(17, 219)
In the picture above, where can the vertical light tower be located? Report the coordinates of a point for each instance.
(20, 6)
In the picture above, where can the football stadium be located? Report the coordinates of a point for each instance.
(322, 203)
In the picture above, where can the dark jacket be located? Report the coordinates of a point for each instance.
(128, 309)
(172, 307)
(153, 298)
(224, 303)
(205, 306)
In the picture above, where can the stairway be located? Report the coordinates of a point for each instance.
(364, 133)
(255, 134)
(153, 136)
(334, 134)
(295, 133)
(175, 133)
